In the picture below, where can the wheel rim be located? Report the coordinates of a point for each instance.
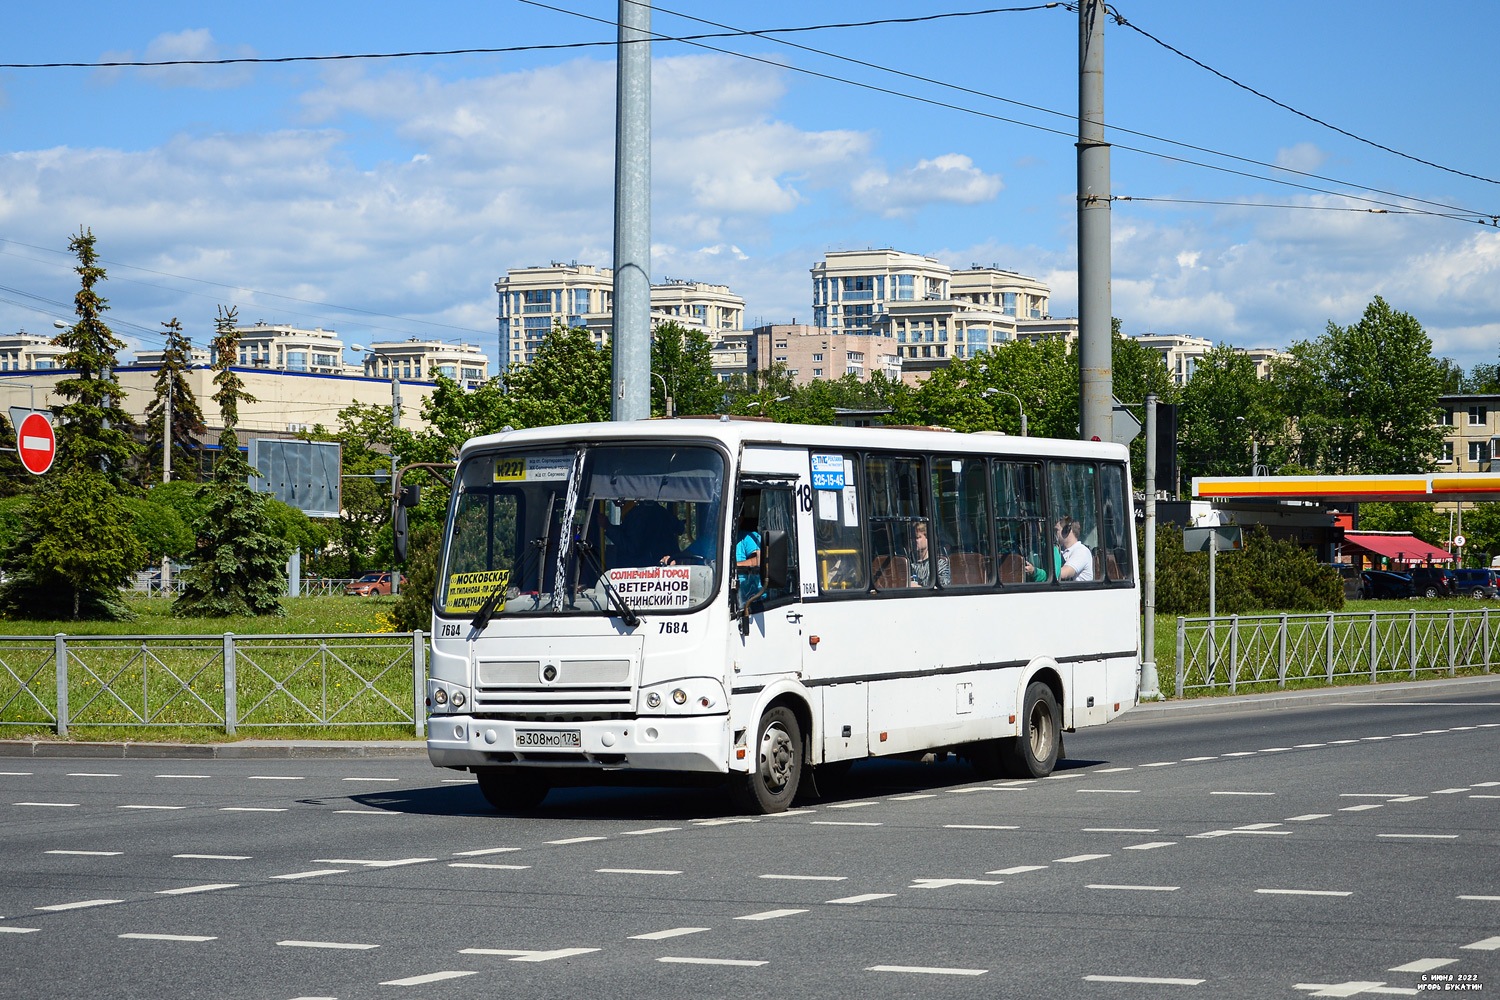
(1039, 731)
(776, 758)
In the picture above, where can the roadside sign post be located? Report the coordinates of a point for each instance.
(1149, 686)
(1223, 537)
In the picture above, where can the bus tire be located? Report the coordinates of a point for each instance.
(771, 784)
(1034, 752)
(510, 791)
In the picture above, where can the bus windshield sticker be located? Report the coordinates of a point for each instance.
(828, 472)
(654, 588)
(851, 506)
(533, 469)
(828, 505)
(467, 591)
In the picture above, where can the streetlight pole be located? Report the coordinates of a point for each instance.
(1019, 405)
(1150, 685)
(166, 472)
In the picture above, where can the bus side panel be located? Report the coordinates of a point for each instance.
(919, 713)
(1089, 693)
(846, 733)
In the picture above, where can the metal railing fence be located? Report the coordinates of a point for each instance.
(224, 681)
(1223, 653)
(145, 584)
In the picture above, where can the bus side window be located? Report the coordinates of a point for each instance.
(963, 516)
(839, 537)
(765, 547)
(897, 514)
(1114, 519)
(1023, 542)
(1073, 494)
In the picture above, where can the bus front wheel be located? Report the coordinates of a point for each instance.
(1034, 751)
(772, 782)
(508, 792)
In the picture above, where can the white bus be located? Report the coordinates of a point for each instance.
(771, 602)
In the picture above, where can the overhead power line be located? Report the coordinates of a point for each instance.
(1122, 22)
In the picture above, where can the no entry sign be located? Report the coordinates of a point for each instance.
(36, 443)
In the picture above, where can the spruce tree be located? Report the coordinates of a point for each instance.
(187, 417)
(239, 567)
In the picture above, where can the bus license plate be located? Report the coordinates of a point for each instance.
(549, 738)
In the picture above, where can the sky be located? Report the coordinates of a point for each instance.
(382, 198)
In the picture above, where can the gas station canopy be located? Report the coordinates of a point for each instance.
(1428, 487)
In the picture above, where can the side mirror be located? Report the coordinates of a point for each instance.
(411, 495)
(399, 531)
(776, 571)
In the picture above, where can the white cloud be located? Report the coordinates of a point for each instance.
(1304, 156)
(951, 178)
(191, 44)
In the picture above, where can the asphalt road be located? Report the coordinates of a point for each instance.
(1347, 850)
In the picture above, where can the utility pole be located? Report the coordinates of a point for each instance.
(1150, 685)
(166, 471)
(395, 423)
(1095, 390)
(630, 339)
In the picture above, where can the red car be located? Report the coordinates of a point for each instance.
(371, 584)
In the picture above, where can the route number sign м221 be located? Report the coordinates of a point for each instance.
(36, 443)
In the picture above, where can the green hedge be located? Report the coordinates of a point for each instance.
(1266, 575)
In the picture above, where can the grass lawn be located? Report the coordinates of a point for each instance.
(303, 615)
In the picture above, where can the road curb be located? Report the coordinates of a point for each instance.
(1310, 698)
(247, 749)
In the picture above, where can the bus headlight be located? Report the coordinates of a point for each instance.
(439, 697)
(692, 696)
(653, 700)
(458, 699)
(679, 696)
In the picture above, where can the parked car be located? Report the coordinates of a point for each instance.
(1477, 583)
(371, 584)
(1434, 581)
(1349, 574)
(1379, 584)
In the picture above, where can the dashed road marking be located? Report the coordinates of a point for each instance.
(135, 936)
(853, 805)
(167, 808)
(1192, 760)
(1353, 987)
(1241, 753)
(1361, 808)
(1136, 888)
(1242, 793)
(1016, 870)
(1371, 795)
(1424, 965)
(16, 774)
(1407, 798)
(1450, 791)
(831, 822)
(1484, 796)
(770, 914)
(481, 864)
(948, 883)
(1302, 892)
(1257, 826)
(678, 960)
(483, 851)
(59, 805)
(927, 970)
(251, 809)
(638, 833)
(1112, 770)
(312, 874)
(1420, 836)
(976, 826)
(1115, 791)
(1307, 817)
(862, 897)
(1151, 846)
(1074, 859)
(189, 889)
(1274, 749)
(334, 945)
(371, 779)
(371, 812)
(1161, 763)
(1309, 746)
(637, 871)
(215, 857)
(397, 863)
(912, 798)
(82, 904)
(92, 774)
(1482, 899)
(1487, 944)
(574, 840)
(529, 956)
(1148, 980)
(431, 977)
(1487, 784)
(275, 777)
(92, 854)
(673, 932)
(184, 776)
(1119, 829)
(18, 930)
(808, 878)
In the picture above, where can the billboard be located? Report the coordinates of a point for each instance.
(304, 474)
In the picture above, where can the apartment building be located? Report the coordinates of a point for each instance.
(153, 359)
(292, 349)
(22, 351)
(814, 353)
(1181, 354)
(853, 289)
(1471, 432)
(417, 359)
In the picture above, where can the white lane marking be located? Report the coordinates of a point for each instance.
(965, 791)
(313, 874)
(1335, 743)
(770, 914)
(372, 779)
(1074, 859)
(653, 829)
(529, 956)
(1450, 791)
(18, 930)
(830, 822)
(638, 871)
(80, 905)
(673, 932)
(1136, 888)
(1488, 944)
(1361, 808)
(1407, 798)
(1112, 770)
(1188, 760)
(369, 812)
(1017, 870)
(1482, 899)
(165, 937)
(16, 774)
(862, 897)
(1306, 817)
(1309, 746)
(726, 821)
(1148, 980)
(250, 809)
(151, 807)
(1487, 784)
(1420, 836)
(1371, 738)
(1424, 965)
(852, 805)
(1241, 753)
(1274, 749)
(335, 945)
(1353, 987)
(1372, 795)
(809, 878)
(372, 864)
(1119, 829)
(1210, 834)
(275, 777)
(927, 970)
(187, 889)
(484, 850)
(912, 798)
(1161, 763)
(431, 977)
(460, 781)
(184, 776)
(574, 840)
(1114, 791)
(1433, 732)
(1476, 796)
(60, 805)
(1242, 793)
(1406, 734)
(783, 814)
(1302, 892)
(100, 854)
(1151, 846)
(89, 774)
(215, 857)
(481, 864)
(1060, 777)
(675, 960)
(947, 883)
(976, 826)
(1257, 826)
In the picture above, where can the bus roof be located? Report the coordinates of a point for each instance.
(733, 433)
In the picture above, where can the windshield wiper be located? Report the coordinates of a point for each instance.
(628, 616)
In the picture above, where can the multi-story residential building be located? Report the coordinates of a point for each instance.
(1015, 295)
(1181, 354)
(1471, 432)
(534, 299)
(852, 289)
(23, 351)
(1263, 357)
(417, 359)
(814, 353)
(291, 349)
(153, 359)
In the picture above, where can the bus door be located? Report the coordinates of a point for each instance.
(772, 523)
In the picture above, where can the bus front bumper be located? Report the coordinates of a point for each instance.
(685, 743)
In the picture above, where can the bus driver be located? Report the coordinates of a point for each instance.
(1077, 561)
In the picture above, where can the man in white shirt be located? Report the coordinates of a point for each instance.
(1077, 560)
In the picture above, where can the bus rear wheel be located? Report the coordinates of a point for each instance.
(509, 791)
(771, 784)
(1034, 751)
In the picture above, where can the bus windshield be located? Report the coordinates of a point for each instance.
(554, 530)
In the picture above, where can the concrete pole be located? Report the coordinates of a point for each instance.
(166, 475)
(1095, 398)
(1150, 685)
(630, 340)
(395, 422)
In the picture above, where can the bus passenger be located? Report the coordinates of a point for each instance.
(920, 563)
(1077, 561)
